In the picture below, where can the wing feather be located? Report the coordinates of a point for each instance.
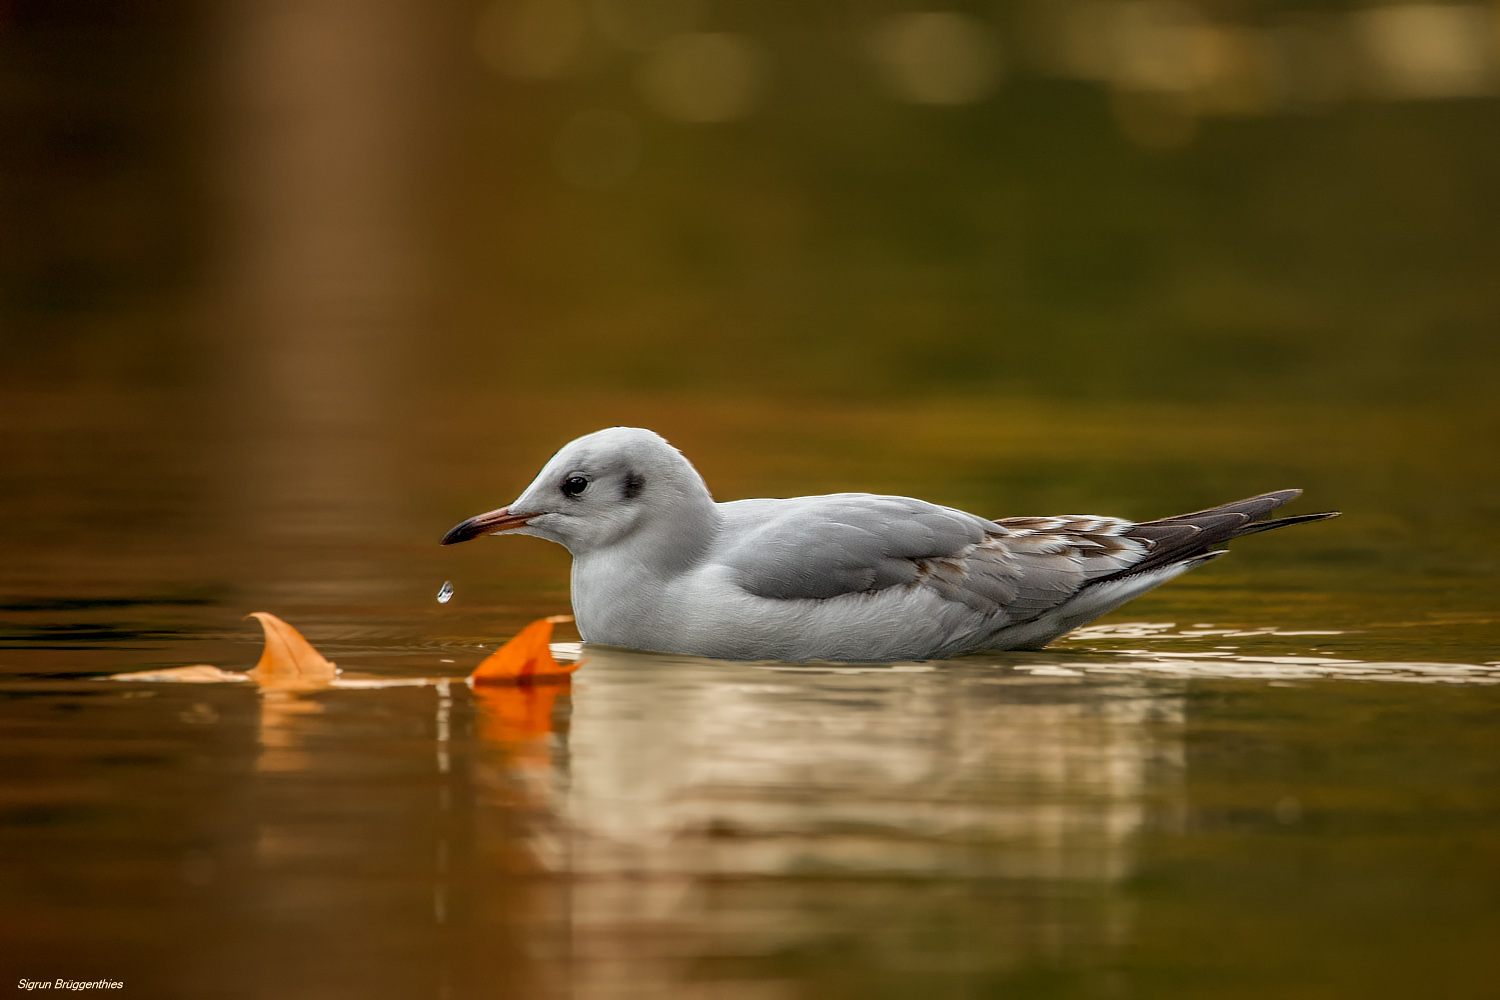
(1011, 570)
(826, 547)
(822, 547)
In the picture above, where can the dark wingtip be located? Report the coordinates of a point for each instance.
(1281, 522)
(1186, 536)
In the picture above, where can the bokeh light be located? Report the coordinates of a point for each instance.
(704, 77)
(937, 57)
(1429, 50)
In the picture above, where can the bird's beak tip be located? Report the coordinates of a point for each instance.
(458, 533)
(493, 522)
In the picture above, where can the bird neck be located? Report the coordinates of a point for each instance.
(620, 591)
(682, 533)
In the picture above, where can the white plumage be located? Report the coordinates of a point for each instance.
(658, 565)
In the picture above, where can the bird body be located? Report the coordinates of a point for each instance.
(659, 565)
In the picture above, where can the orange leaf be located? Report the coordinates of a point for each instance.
(288, 662)
(526, 657)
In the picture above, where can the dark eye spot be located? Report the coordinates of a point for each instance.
(634, 483)
(574, 485)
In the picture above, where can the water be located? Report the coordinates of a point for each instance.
(687, 826)
(291, 297)
(1275, 775)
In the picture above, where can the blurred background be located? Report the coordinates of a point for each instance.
(289, 287)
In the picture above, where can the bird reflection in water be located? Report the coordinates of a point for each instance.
(697, 810)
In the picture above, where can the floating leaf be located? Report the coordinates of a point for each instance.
(288, 662)
(527, 657)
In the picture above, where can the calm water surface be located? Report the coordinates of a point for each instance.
(1276, 777)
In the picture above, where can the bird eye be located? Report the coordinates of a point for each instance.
(574, 485)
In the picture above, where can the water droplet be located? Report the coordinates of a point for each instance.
(446, 593)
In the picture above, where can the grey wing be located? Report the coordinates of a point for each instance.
(847, 543)
(1013, 569)
(825, 547)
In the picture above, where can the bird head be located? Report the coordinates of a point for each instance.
(598, 491)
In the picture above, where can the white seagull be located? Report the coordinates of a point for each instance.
(658, 565)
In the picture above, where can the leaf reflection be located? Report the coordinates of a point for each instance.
(284, 720)
(520, 714)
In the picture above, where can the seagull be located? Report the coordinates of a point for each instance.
(659, 565)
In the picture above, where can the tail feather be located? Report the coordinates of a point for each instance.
(1188, 536)
(1251, 506)
(1282, 522)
